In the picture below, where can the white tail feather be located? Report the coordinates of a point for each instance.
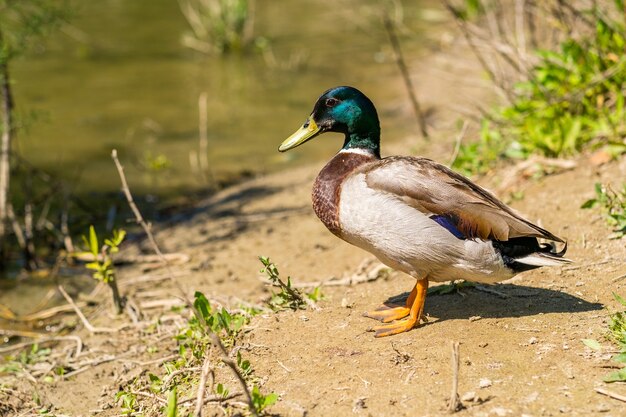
(542, 259)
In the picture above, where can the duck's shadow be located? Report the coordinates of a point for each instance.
(499, 301)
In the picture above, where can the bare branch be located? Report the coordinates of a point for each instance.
(457, 146)
(82, 317)
(206, 371)
(455, 403)
(233, 366)
(611, 394)
(399, 58)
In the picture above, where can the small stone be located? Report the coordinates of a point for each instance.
(304, 318)
(500, 411)
(532, 397)
(483, 344)
(484, 383)
(468, 396)
(533, 340)
(475, 318)
(603, 408)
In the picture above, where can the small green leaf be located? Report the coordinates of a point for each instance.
(172, 403)
(93, 265)
(589, 204)
(201, 303)
(93, 241)
(592, 344)
(620, 299)
(616, 376)
(119, 236)
(620, 357)
(221, 390)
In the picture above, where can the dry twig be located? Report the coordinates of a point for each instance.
(206, 371)
(147, 228)
(457, 146)
(216, 398)
(455, 402)
(397, 53)
(40, 341)
(233, 366)
(361, 276)
(82, 317)
(489, 290)
(611, 394)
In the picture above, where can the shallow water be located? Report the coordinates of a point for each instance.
(118, 77)
(121, 79)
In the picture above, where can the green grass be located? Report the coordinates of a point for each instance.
(617, 335)
(613, 206)
(178, 378)
(16, 364)
(571, 100)
(617, 329)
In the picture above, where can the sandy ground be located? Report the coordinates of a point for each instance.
(520, 341)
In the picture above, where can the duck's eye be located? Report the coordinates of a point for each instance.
(331, 102)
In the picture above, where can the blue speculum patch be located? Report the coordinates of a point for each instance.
(448, 224)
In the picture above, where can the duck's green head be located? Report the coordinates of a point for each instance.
(344, 110)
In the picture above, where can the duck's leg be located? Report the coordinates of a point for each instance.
(416, 310)
(387, 314)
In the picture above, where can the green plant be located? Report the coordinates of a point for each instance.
(479, 157)
(617, 334)
(453, 287)
(218, 26)
(155, 163)
(613, 204)
(244, 366)
(195, 344)
(15, 364)
(194, 339)
(260, 401)
(569, 100)
(220, 321)
(288, 297)
(128, 401)
(617, 328)
(102, 263)
(470, 9)
(221, 390)
(172, 403)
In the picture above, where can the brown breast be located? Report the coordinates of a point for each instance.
(327, 187)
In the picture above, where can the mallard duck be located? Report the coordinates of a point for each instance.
(413, 214)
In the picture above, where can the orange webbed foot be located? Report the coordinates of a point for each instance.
(399, 326)
(388, 314)
(414, 309)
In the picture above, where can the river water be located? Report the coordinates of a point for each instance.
(117, 76)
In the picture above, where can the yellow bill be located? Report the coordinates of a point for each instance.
(308, 130)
